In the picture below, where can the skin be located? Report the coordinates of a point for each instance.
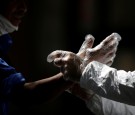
(15, 10)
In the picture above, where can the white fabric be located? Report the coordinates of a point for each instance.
(102, 106)
(108, 82)
(6, 26)
(115, 108)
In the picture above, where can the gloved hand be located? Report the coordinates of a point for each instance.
(69, 61)
(105, 52)
(72, 65)
(88, 43)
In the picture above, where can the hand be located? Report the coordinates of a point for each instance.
(88, 43)
(101, 55)
(105, 52)
(70, 62)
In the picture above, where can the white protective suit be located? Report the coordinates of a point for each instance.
(109, 82)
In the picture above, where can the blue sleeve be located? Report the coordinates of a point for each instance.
(9, 78)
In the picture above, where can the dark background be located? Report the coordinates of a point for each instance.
(62, 24)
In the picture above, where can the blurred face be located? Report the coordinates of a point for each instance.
(15, 10)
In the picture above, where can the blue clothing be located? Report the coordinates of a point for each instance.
(8, 75)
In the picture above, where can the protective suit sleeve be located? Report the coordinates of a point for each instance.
(95, 105)
(108, 82)
(111, 107)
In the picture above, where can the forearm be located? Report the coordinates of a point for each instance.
(109, 82)
(49, 88)
(44, 90)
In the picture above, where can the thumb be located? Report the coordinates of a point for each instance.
(88, 43)
(55, 54)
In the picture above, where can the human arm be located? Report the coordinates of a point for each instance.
(15, 88)
(41, 91)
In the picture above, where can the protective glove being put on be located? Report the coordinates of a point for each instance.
(62, 58)
(88, 43)
(72, 65)
(105, 52)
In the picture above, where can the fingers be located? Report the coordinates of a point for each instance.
(55, 54)
(111, 38)
(110, 47)
(70, 66)
(68, 62)
(88, 43)
(58, 62)
(105, 52)
(65, 58)
(111, 55)
(111, 41)
(117, 36)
